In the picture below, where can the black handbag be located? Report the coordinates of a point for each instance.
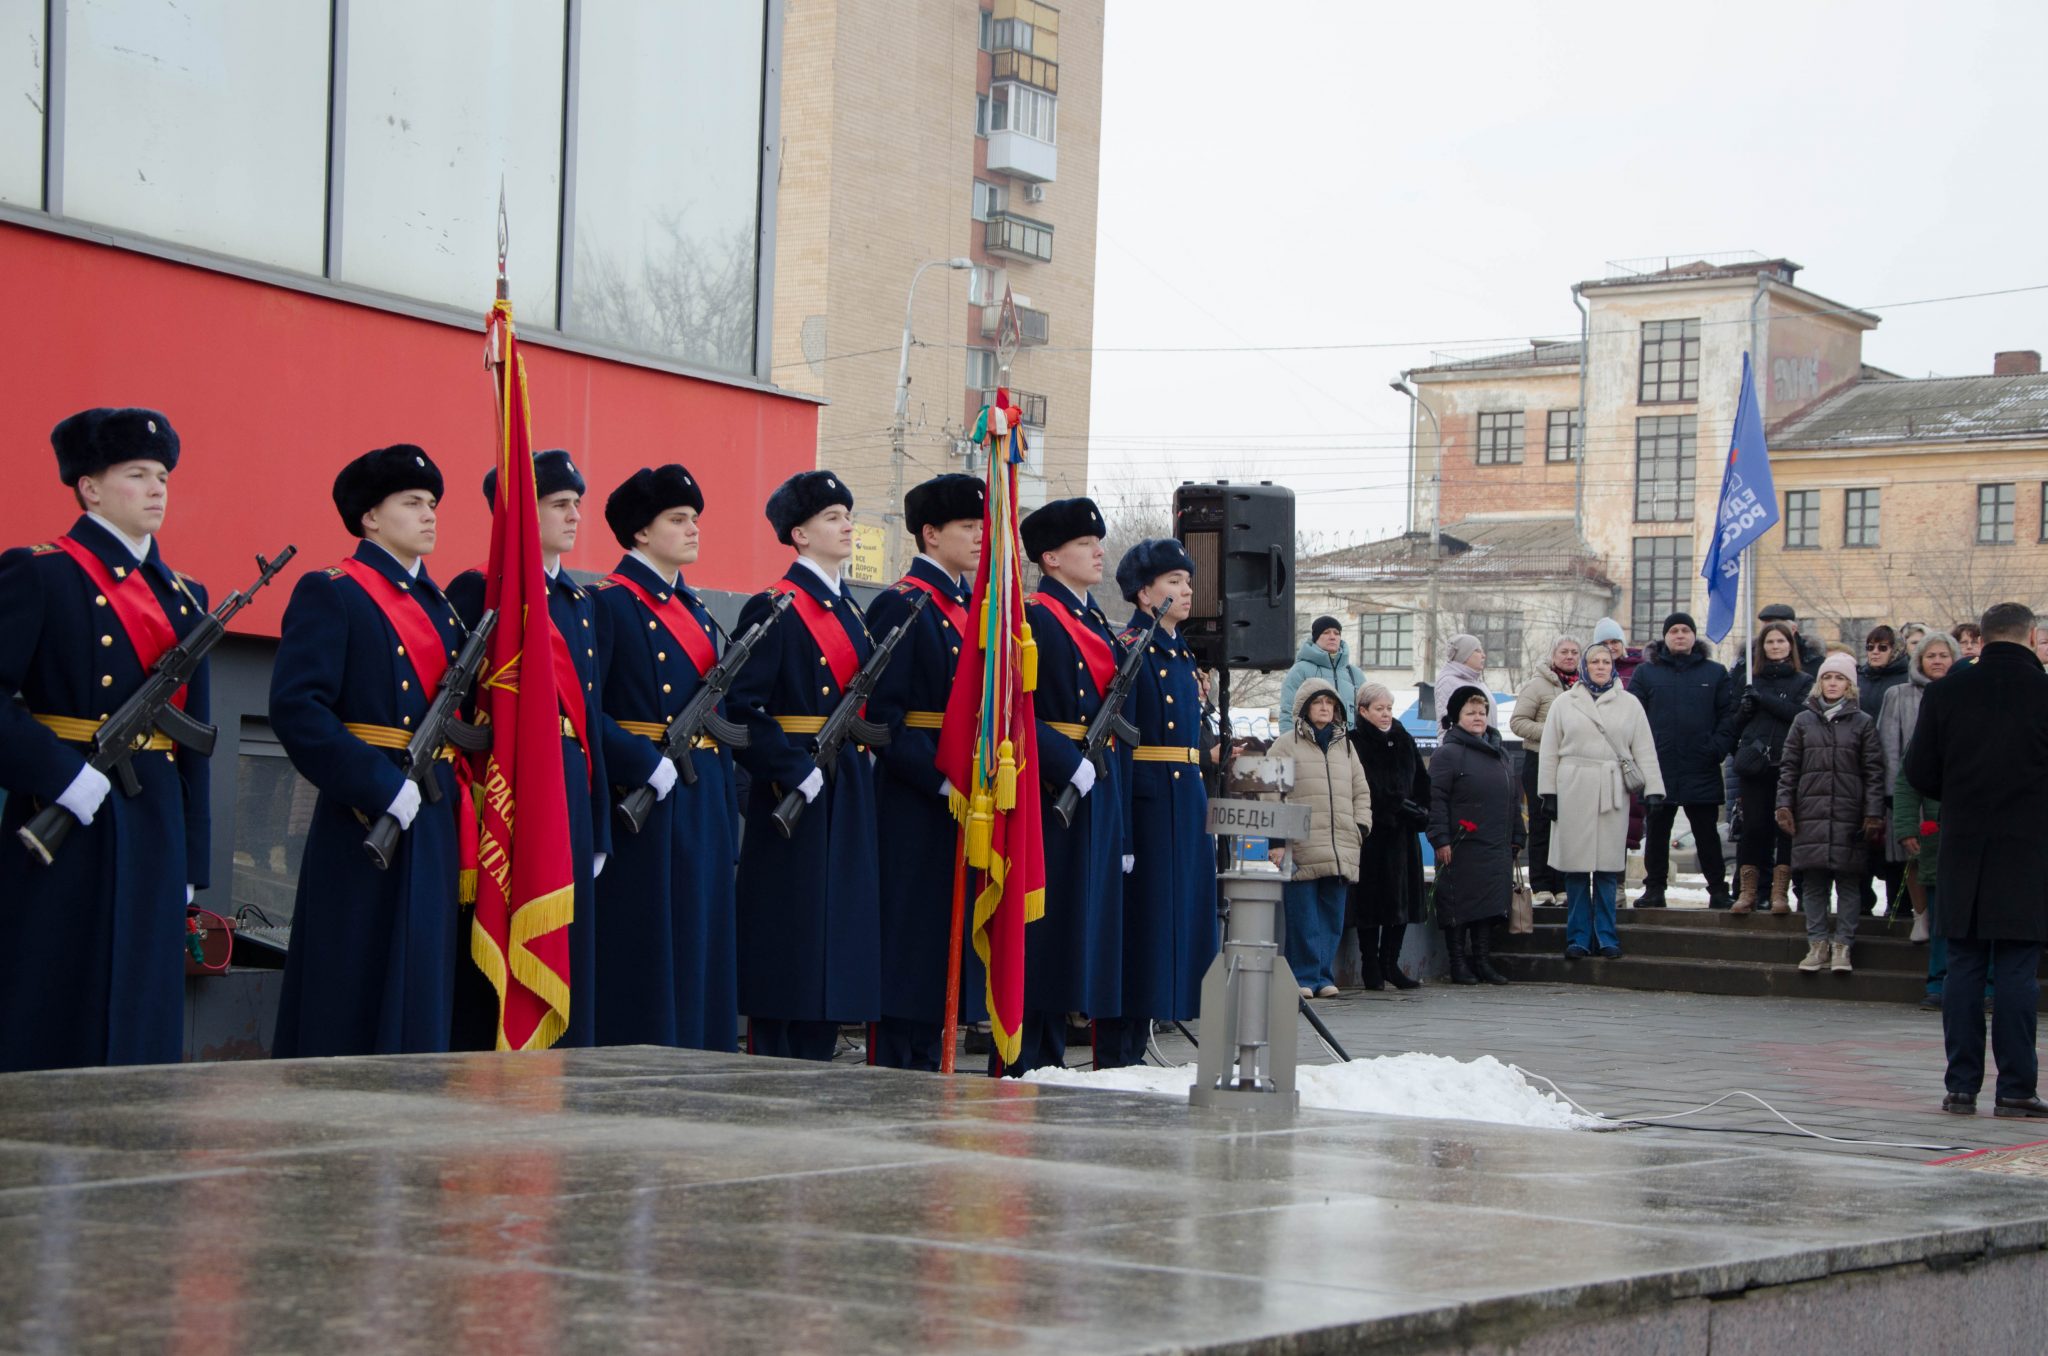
(1753, 758)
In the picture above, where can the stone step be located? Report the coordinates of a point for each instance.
(1887, 954)
(1742, 979)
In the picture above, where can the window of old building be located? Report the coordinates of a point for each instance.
(1667, 445)
(1859, 517)
(1386, 640)
(1500, 635)
(1565, 437)
(1802, 520)
(1995, 505)
(1671, 361)
(1500, 439)
(1660, 582)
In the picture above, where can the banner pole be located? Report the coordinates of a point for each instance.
(949, 1036)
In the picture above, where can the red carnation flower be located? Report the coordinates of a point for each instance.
(1468, 826)
(1929, 827)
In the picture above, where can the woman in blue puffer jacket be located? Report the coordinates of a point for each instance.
(1324, 655)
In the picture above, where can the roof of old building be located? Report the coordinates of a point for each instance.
(1934, 409)
(1538, 353)
(1520, 548)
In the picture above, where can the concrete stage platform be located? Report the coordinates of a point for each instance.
(642, 1199)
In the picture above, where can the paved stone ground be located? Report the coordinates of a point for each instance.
(1849, 1070)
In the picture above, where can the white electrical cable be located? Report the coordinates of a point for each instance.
(1708, 1106)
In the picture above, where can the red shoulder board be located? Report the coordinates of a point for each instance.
(44, 548)
(601, 584)
(1129, 635)
(333, 572)
(904, 586)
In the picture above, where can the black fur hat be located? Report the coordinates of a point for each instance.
(1059, 522)
(377, 475)
(1148, 560)
(90, 441)
(803, 496)
(647, 494)
(553, 472)
(941, 500)
(1458, 700)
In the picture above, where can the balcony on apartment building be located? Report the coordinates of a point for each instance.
(1010, 64)
(1017, 237)
(1023, 132)
(1033, 327)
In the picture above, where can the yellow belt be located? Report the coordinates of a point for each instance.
(391, 737)
(74, 730)
(1165, 753)
(924, 720)
(1071, 729)
(648, 729)
(800, 724)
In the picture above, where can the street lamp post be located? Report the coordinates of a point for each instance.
(893, 512)
(1436, 514)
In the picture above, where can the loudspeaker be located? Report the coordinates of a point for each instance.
(1241, 538)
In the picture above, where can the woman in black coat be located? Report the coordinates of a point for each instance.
(1388, 896)
(1476, 828)
(1772, 701)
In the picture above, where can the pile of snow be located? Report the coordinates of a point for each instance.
(1482, 1089)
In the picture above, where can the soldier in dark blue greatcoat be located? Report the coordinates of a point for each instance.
(665, 939)
(371, 966)
(1073, 956)
(93, 970)
(558, 488)
(809, 916)
(1170, 893)
(911, 795)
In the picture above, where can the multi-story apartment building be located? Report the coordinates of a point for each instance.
(936, 154)
(1628, 449)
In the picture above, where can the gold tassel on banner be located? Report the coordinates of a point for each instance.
(1006, 777)
(980, 829)
(1027, 657)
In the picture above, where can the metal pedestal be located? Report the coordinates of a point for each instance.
(1245, 1006)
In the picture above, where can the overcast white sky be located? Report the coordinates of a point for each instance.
(1418, 178)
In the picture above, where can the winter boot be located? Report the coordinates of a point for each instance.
(1652, 897)
(1482, 957)
(1781, 889)
(1717, 894)
(1840, 964)
(1816, 958)
(1454, 943)
(1390, 958)
(1745, 901)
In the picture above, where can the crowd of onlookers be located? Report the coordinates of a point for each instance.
(1801, 747)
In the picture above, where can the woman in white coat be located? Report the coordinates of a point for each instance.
(1580, 783)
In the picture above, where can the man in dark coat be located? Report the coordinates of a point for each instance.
(1690, 701)
(1981, 749)
(93, 970)
(1073, 956)
(371, 966)
(912, 797)
(665, 935)
(809, 906)
(1170, 893)
(558, 487)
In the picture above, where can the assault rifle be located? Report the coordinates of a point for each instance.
(441, 726)
(122, 735)
(1109, 720)
(701, 715)
(846, 720)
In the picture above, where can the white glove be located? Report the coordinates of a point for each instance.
(405, 804)
(191, 891)
(1084, 777)
(812, 784)
(1129, 862)
(597, 861)
(946, 789)
(664, 779)
(87, 790)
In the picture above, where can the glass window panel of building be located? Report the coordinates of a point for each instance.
(1019, 108)
(1671, 361)
(1859, 517)
(2044, 511)
(1667, 446)
(1995, 505)
(1500, 438)
(668, 179)
(443, 103)
(1500, 635)
(981, 368)
(1802, 520)
(989, 199)
(1386, 640)
(1564, 437)
(1660, 583)
(200, 122)
(22, 100)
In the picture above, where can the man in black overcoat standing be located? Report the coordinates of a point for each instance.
(1981, 749)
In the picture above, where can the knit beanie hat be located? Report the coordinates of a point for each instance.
(1322, 624)
(1463, 647)
(1838, 662)
(1608, 629)
(1679, 619)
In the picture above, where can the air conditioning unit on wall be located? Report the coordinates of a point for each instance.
(1034, 193)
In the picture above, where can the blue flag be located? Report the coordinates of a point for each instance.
(1749, 508)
